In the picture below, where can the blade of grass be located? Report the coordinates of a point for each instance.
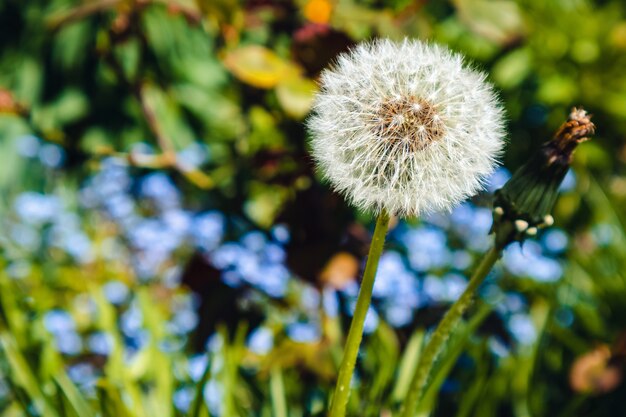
(408, 363)
(277, 392)
(450, 356)
(111, 403)
(197, 405)
(73, 395)
(25, 377)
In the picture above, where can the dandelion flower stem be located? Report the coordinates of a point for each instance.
(342, 389)
(438, 340)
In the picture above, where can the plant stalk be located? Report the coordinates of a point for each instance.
(445, 328)
(353, 342)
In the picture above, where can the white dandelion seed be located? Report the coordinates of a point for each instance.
(405, 127)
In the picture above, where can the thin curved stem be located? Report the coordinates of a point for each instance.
(439, 338)
(353, 342)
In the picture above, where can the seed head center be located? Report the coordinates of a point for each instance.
(408, 121)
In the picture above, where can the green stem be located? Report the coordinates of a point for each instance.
(438, 340)
(351, 351)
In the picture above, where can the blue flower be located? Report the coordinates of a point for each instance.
(197, 366)
(522, 328)
(397, 315)
(100, 343)
(35, 208)
(208, 230)
(68, 343)
(159, 188)
(554, 241)
(569, 182)
(427, 248)
(497, 180)
(28, 146)
(59, 322)
(528, 261)
(303, 332)
(261, 340)
(280, 233)
(116, 292)
(214, 397)
(51, 155)
(193, 156)
(182, 398)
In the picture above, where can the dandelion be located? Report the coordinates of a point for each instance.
(401, 129)
(405, 127)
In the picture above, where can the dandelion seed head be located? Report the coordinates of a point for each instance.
(405, 127)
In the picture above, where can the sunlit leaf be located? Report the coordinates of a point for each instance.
(259, 66)
(296, 96)
(499, 20)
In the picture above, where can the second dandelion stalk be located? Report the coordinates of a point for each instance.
(353, 342)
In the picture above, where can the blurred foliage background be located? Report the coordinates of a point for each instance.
(167, 249)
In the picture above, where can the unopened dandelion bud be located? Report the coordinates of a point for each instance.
(405, 127)
(528, 197)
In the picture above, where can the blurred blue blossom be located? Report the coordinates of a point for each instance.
(25, 236)
(461, 260)
(35, 208)
(309, 298)
(255, 262)
(445, 289)
(100, 343)
(569, 182)
(159, 188)
(497, 180)
(554, 241)
(213, 395)
(280, 233)
(69, 343)
(19, 269)
(51, 155)
(472, 224)
(304, 332)
(208, 230)
(183, 321)
(330, 302)
(116, 292)
(27, 146)
(261, 340)
(522, 328)
(131, 321)
(182, 398)
(84, 375)
(498, 348)
(59, 322)
(427, 247)
(527, 260)
(398, 315)
(197, 366)
(193, 156)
